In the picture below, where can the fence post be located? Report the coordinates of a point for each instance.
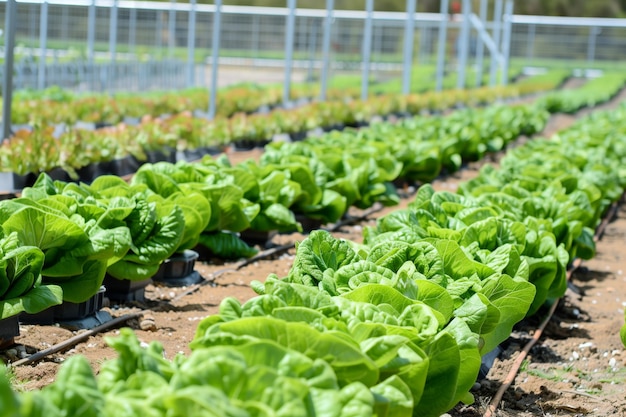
(132, 30)
(464, 44)
(497, 24)
(328, 20)
(480, 48)
(159, 33)
(112, 45)
(191, 45)
(215, 54)
(506, 41)
(591, 44)
(172, 29)
(289, 34)
(366, 51)
(441, 44)
(312, 49)
(7, 76)
(43, 49)
(530, 42)
(409, 31)
(91, 36)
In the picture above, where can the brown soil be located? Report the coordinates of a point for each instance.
(577, 368)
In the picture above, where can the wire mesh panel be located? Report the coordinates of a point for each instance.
(152, 41)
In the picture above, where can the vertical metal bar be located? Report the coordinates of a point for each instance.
(91, 37)
(289, 34)
(256, 35)
(409, 31)
(215, 54)
(159, 32)
(530, 42)
(497, 25)
(312, 48)
(132, 30)
(328, 20)
(32, 22)
(301, 31)
(464, 44)
(112, 44)
(43, 49)
(441, 44)
(7, 76)
(591, 44)
(480, 48)
(172, 29)
(366, 51)
(191, 45)
(506, 41)
(423, 47)
(64, 22)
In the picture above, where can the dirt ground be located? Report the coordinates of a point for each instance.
(578, 368)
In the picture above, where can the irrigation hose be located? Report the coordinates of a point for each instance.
(517, 364)
(75, 339)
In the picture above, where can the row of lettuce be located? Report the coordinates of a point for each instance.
(79, 231)
(395, 326)
(84, 231)
(44, 148)
(57, 105)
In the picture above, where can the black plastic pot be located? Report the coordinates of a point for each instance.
(178, 266)
(9, 329)
(125, 290)
(178, 271)
(83, 315)
(257, 237)
(307, 223)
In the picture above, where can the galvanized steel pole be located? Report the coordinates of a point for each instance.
(289, 34)
(91, 36)
(191, 42)
(441, 44)
(171, 29)
(464, 44)
(7, 77)
(409, 31)
(506, 41)
(112, 45)
(43, 49)
(132, 30)
(480, 48)
(215, 55)
(497, 24)
(328, 20)
(366, 51)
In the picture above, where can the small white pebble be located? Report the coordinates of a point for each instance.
(585, 345)
(612, 362)
(575, 355)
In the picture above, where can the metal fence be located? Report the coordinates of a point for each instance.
(117, 45)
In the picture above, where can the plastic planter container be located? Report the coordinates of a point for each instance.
(83, 315)
(125, 290)
(177, 271)
(9, 328)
